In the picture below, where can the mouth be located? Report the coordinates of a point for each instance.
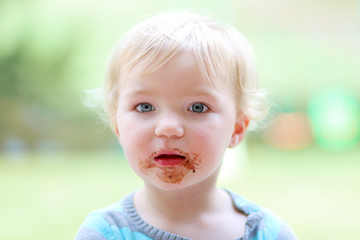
(169, 159)
(171, 165)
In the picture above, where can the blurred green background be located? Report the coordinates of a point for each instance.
(58, 161)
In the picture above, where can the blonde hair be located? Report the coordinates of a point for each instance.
(221, 51)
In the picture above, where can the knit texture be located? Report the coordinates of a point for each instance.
(120, 221)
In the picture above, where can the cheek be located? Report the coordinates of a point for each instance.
(217, 134)
(134, 147)
(211, 143)
(133, 138)
(130, 128)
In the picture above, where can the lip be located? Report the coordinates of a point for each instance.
(169, 158)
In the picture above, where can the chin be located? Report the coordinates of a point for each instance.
(169, 186)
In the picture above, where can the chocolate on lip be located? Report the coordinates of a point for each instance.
(172, 165)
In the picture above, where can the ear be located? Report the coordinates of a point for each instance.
(117, 130)
(117, 133)
(241, 125)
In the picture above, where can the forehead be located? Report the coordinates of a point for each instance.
(179, 78)
(180, 70)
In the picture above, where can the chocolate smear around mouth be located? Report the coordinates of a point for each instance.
(175, 173)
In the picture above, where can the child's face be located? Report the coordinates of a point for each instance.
(174, 126)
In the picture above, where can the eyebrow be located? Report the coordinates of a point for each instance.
(200, 92)
(134, 92)
(205, 92)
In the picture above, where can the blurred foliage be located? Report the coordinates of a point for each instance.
(40, 96)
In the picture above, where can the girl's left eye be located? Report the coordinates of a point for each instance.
(198, 108)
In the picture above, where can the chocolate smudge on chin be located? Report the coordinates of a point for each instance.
(173, 174)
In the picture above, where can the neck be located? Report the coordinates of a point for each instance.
(181, 205)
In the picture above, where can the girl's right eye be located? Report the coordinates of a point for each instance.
(145, 107)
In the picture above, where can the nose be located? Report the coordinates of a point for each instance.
(169, 125)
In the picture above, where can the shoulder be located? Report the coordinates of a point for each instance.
(99, 224)
(272, 226)
(111, 222)
(262, 223)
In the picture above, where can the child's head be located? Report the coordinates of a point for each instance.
(221, 52)
(180, 89)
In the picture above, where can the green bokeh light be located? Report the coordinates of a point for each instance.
(335, 119)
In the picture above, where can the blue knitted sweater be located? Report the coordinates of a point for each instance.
(120, 221)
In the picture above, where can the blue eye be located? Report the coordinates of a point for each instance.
(145, 107)
(198, 108)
